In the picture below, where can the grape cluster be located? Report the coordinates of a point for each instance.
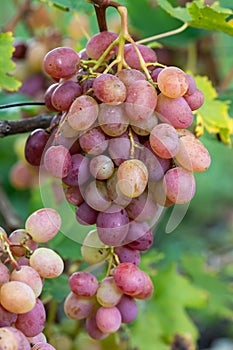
(122, 148)
(23, 267)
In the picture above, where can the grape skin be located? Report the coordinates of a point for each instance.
(108, 320)
(23, 343)
(78, 308)
(47, 263)
(85, 214)
(94, 141)
(4, 274)
(128, 309)
(101, 167)
(21, 236)
(108, 294)
(8, 340)
(128, 76)
(172, 82)
(195, 100)
(64, 94)
(28, 275)
(164, 141)
(35, 146)
(129, 278)
(99, 43)
(93, 330)
(43, 224)
(7, 318)
(57, 161)
(132, 59)
(96, 195)
(42, 346)
(109, 89)
(93, 250)
(113, 119)
(83, 284)
(17, 297)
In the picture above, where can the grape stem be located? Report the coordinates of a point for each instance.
(163, 35)
(12, 127)
(7, 249)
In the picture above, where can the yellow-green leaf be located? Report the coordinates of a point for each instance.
(214, 113)
(7, 81)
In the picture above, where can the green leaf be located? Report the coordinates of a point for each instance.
(220, 296)
(7, 81)
(56, 288)
(200, 16)
(214, 113)
(165, 315)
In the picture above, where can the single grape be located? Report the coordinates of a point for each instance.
(97, 44)
(23, 175)
(17, 297)
(113, 119)
(35, 146)
(164, 140)
(48, 97)
(42, 346)
(96, 195)
(23, 343)
(128, 309)
(93, 250)
(4, 274)
(108, 320)
(129, 279)
(64, 95)
(131, 56)
(148, 288)
(112, 225)
(33, 322)
(101, 167)
(173, 82)
(93, 330)
(43, 224)
(132, 177)
(78, 308)
(142, 208)
(22, 237)
(8, 341)
(39, 338)
(109, 89)
(141, 100)
(174, 111)
(79, 172)
(155, 73)
(20, 49)
(140, 236)
(128, 76)
(192, 85)
(7, 318)
(83, 113)
(195, 100)
(61, 62)
(94, 141)
(47, 263)
(126, 254)
(85, 214)
(179, 185)
(28, 275)
(192, 154)
(73, 195)
(83, 284)
(108, 294)
(57, 161)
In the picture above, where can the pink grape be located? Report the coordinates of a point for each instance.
(83, 284)
(108, 320)
(195, 100)
(141, 100)
(17, 297)
(85, 214)
(42, 346)
(129, 278)
(132, 177)
(94, 141)
(172, 82)
(23, 343)
(96, 195)
(144, 127)
(108, 294)
(43, 224)
(174, 111)
(179, 185)
(21, 236)
(64, 95)
(132, 59)
(148, 288)
(78, 308)
(28, 275)
(193, 155)
(83, 113)
(142, 208)
(98, 43)
(140, 236)
(7, 318)
(192, 85)
(57, 161)
(113, 119)
(33, 322)
(39, 338)
(8, 340)
(128, 76)
(61, 62)
(119, 148)
(101, 167)
(109, 89)
(4, 274)
(128, 309)
(164, 141)
(112, 225)
(47, 263)
(93, 330)
(79, 172)
(73, 195)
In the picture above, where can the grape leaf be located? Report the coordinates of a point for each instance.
(165, 314)
(56, 288)
(220, 297)
(214, 113)
(201, 16)
(7, 81)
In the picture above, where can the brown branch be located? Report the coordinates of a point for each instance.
(10, 217)
(100, 10)
(12, 127)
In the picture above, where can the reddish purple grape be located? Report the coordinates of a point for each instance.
(35, 146)
(83, 284)
(128, 309)
(86, 215)
(132, 59)
(64, 95)
(109, 89)
(99, 43)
